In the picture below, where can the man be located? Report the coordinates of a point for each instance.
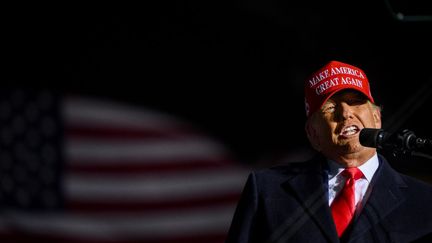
(348, 192)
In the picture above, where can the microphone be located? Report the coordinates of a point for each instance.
(405, 141)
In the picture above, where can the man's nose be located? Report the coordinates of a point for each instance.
(345, 111)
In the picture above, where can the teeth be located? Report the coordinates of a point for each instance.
(349, 130)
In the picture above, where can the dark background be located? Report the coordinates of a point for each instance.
(235, 69)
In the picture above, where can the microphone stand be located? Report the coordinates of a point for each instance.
(423, 155)
(409, 144)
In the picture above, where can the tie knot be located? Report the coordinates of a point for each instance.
(353, 173)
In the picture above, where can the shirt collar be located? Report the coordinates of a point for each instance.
(368, 169)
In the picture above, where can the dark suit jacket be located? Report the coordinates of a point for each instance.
(289, 203)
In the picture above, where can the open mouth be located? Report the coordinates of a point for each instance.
(349, 130)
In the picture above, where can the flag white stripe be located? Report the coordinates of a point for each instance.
(157, 186)
(112, 151)
(93, 112)
(180, 223)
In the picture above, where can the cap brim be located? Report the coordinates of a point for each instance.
(329, 95)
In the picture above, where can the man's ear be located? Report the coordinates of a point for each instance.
(377, 117)
(312, 135)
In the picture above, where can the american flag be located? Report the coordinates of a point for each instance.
(113, 172)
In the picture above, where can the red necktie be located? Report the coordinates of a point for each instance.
(343, 206)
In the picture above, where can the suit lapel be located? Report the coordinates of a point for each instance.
(307, 185)
(385, 197)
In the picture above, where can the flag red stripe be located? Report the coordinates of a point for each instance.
(27, 237)
(125, 133)
(95, 206)
(124, 167)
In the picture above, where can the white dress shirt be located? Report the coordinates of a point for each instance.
(336, 181)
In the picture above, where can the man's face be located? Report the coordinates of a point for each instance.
(334, 129)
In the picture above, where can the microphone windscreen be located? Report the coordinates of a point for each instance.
(369, 137)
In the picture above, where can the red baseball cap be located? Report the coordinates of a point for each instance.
(333, 77)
